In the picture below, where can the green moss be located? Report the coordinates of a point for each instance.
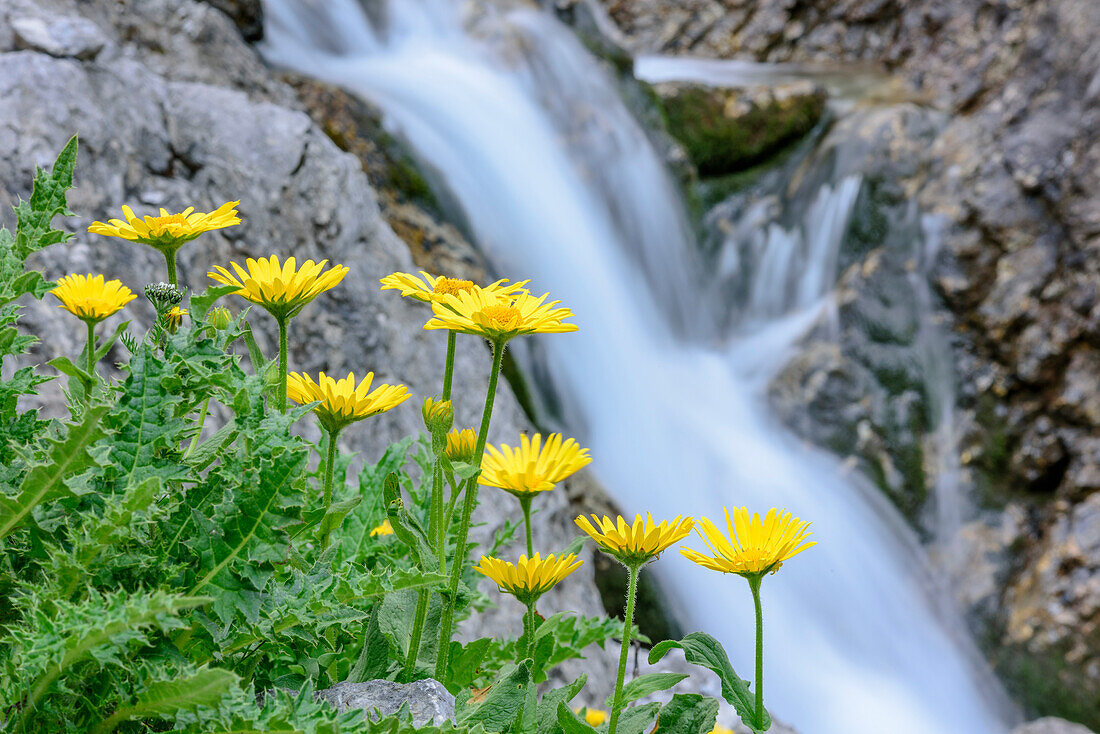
(719, 145)
(1045, 684)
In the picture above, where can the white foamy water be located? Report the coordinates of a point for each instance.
(559, 184)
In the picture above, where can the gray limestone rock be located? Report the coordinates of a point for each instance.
(64, 36)
(428, 701)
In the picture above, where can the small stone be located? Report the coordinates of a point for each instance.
(63, 37)
(428, 701)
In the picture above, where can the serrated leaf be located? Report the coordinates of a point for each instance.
(552, 699)
(688, 713)
(638, 719)
(504, 701)
(207, 451)
(702, 649)
(46, 481)
(165, 698)
(647, 684)
(407, 529)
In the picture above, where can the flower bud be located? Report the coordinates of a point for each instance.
(461, 445)
(438, 415)
(174, 318)
(164, 295)
(219, 317)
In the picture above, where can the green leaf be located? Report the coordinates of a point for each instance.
(374, 659)
(502, 704)
(209, 450)
(574, 546)
(570, 723)
(702, 649)
(463, 471)
(552, 699)
(106, 343)
(688, 713)
(163, 699)
(46, 481)
(201, 302)
(647, 684)
(407, 529)
(638, 719)
(65, 366)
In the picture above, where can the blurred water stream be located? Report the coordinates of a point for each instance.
(559, 183)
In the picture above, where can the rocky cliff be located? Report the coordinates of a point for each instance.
(1001, 147)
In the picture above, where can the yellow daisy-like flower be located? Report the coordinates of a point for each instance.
(90, 298)
(753, 547)
(484, 313)
(528, 578)
(174, 318)
(532, 467)
(168, 231)
(382, 530)
(461, 444)
(593, 717)
(430, 288)
(636, 543)
(282, 289)
(342, 401)
(719, 729)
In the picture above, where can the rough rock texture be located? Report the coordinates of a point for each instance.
(428, 701)
(1051, 725)
(1012, 171)
(177, 110)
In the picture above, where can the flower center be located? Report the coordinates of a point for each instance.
(170, 222)
(452, 286)
(500, 315)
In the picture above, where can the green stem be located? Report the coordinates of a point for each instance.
(525, 504)
(628, 622)
(281, 392)
(198, 433)
(754, 585)
(422, 599)
(449, 368)
(436, 531)
(447, 621)
(330, 467)
(90, 367)
(529, 620)
(170, 261)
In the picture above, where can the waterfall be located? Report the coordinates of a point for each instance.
(558, 183)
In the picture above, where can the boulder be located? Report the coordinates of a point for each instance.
(1051, 725)
(427, 700)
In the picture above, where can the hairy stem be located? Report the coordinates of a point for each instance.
(754, 585)
(529, 621)
(447, 621)
(449, 368)
(201, 423)
(281, 392)
(422, 599)
(628, 622)
(525, 504)
(90, 366)
(170, 261)
(330, 468)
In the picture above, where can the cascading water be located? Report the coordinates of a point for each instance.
(559, 183)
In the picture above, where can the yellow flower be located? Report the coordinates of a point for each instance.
(719, 729)
(593, 717)
(431, 288)
(438, 415)
(461, 444)
(168, 231)
(382, 530)
(754, 547)
(484, 313)
(89, 298)
(282, 289)
(342, 402)
(532, 467)
(529, 578)
(639, 542)
(174, 318)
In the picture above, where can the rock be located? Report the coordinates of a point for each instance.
(1051, 725)
(65, 36)
(428, 701)
(247, 15)
(728, 130)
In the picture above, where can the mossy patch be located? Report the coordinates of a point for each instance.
(1045, 684)
(724, 134)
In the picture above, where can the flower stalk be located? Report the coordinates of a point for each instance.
(470, 499)
(280, 395)
(624, 652)
(89, 383)
(754, 585)
(330, 465)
